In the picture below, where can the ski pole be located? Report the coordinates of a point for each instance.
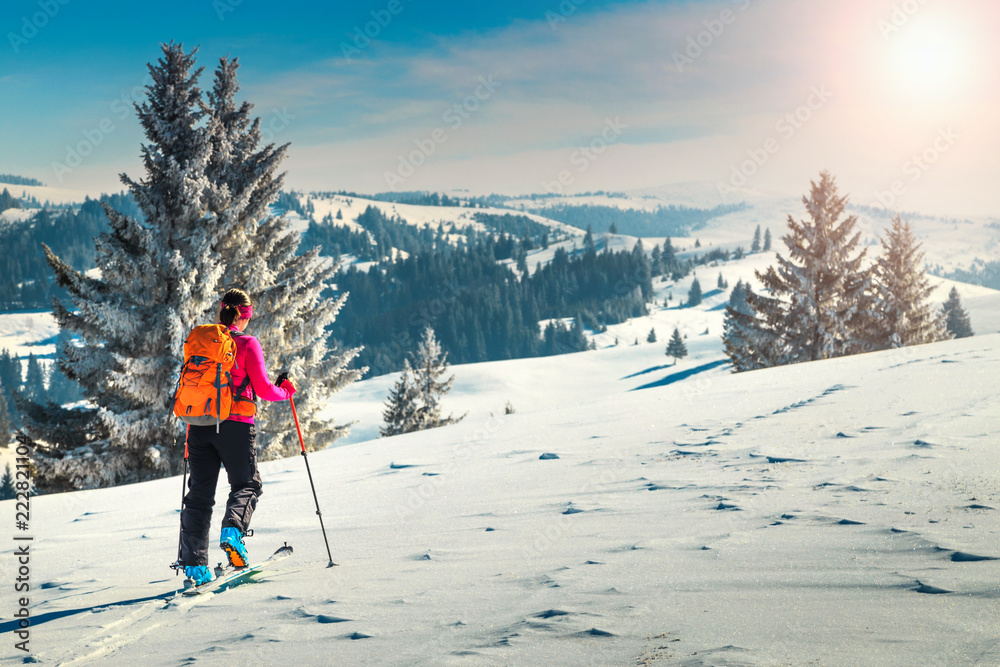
(315, 498)
(180, 536)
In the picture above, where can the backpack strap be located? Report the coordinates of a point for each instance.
(238, 394)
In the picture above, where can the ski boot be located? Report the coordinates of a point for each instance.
(232, 543)
(197, 575)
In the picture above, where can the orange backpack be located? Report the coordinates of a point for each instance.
(205, 391)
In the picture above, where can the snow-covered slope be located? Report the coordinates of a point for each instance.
(16, 215)
(25, 333)
(48, 194)
(839, 512)
(420, 216)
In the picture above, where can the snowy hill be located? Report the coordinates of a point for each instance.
(351, 207)
(838, 512)
(544, 383)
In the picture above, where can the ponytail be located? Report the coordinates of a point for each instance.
(235, 304)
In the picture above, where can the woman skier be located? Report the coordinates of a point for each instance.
(232, 444)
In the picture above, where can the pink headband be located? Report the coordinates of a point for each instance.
(246, 312)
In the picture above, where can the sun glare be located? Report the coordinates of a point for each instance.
(928, 57)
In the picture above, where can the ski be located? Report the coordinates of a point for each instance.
(230, 575)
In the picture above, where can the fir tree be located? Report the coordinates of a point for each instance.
(6, 424)
(721, 282)
(578, 335)
(588, 242)
(656, 261)
(166, 271)
(62, 390)
(767, 240)
(956, 319)
(651, 338)
(903, 315)
(430, 365)
(522, 262)
(746, 344)
(10, 373)
(400, 414)
(817, 298)
(676, 347)
(205, 198)
(8, 201)
(755, 244)
(34, 381)
(7, 489)
(694, 294)
(738, 298)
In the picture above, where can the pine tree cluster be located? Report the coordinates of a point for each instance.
(664, 221)
(482, 311)
(14, 179)
(824, 300)
(26, 281)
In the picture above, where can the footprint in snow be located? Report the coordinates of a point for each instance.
(930, 590)
(962, 557)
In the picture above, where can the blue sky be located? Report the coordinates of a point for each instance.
(526, 96)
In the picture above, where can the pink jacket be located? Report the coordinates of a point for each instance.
(250, 360)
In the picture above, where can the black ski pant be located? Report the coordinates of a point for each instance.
(234, 446)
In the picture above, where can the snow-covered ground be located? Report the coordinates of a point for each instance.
(839, 512)
(28, 332)
(16, 215)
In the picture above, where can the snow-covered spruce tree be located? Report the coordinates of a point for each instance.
(738, 297)
(429, 366)
(401, 406)
(7, 489)
(694, 294)
(34, 381)
(157, 279)
(903, 314)
(818, 299)
(6, 424)
(676, 347)
(160, 278)
(755, 243)
(955, 317)
(291, 314)
(747, 344)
